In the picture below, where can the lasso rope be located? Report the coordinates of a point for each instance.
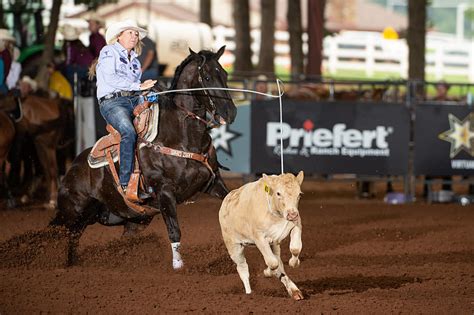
(280, 94)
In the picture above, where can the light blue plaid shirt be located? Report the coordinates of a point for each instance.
(115, 72)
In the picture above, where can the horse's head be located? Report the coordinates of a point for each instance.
(203, 70)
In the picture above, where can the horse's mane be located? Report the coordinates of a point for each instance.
(179, 69)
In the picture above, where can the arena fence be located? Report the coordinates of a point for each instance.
(369, 130)
(332, 129)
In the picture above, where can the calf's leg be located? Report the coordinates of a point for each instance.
(270, 259)
(290, 286)
(295, 246)
(236, 252)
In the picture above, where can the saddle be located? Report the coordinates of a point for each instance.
(106, 151)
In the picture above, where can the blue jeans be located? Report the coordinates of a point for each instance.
(118, 112)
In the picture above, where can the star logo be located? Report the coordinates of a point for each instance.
(460, 134)
(222, 138)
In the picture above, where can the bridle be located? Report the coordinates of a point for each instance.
(210, 119)
(206, 91)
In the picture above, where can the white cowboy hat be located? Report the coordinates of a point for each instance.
(69, 32)
(6, 36)
(118, 27)
(33, 84)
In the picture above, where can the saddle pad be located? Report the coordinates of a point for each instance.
(150, 135)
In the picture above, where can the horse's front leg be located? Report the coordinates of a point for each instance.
(170, 216)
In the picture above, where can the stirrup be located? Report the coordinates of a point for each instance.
(144, 195)
(128, 194)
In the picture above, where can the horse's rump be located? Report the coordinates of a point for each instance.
(41, 110)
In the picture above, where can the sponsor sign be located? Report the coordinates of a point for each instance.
(444, 140)
(232, 142)
(330, 137)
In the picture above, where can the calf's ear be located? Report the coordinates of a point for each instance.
(300, 177)
(266, 184)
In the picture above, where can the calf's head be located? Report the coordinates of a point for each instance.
(284, 192)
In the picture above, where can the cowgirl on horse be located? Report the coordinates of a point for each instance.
(118, 85)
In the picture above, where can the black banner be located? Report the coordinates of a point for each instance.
(444, 140)
(330, 137)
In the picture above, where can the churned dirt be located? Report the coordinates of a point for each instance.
(359, 256)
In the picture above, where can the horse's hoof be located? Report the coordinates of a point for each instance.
(297, 295)
(24, 199)
(177, 264)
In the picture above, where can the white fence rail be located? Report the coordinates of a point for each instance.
(368, 52)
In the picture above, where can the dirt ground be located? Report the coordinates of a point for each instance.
(359, 256)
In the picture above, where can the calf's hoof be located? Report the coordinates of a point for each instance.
(294, 262)
(297, 295)
(177, 264)
(268, 273)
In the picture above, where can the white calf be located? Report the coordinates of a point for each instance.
(263, 213)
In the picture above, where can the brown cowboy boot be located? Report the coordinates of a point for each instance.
(142, 195)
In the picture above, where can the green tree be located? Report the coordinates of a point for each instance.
(315, 36)
(242, 52)
(205, 12)
(2, 19)
(295, 31)
(416, 39)
(48, 52)
(267, 37)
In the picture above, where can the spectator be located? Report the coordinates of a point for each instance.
(27, 86)
(442, 88)
(78, 56)
(261, 85)
(6, 41)
(149, 59)
(15, 70)
(96, 39)
(58, 84)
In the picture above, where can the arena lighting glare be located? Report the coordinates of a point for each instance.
(152, 96)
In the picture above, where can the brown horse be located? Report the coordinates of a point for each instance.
(89, 195)
(43, 121)
(7, 134)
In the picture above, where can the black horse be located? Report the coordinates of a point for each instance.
(87, 196)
